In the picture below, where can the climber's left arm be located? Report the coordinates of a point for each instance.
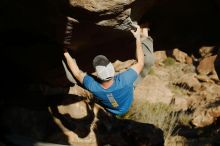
(71, 62)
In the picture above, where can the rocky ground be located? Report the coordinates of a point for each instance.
(188, 84)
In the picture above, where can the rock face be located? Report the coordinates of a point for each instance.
(103, 13)
(32, 34)
(32, 37)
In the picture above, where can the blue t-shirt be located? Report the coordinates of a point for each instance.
(119, 96)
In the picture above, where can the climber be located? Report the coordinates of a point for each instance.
(115, 92)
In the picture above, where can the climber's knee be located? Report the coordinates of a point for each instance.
(149, 59)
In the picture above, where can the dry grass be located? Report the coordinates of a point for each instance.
(159, 114)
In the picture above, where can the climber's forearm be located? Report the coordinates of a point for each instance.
(139, 54)
(74, 67)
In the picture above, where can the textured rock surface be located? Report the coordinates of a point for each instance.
(32, 34)
(32, 40)
(72, 121)
(187, 89)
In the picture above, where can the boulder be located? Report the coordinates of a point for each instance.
(32, 36)
(206, 65)
(180, 55)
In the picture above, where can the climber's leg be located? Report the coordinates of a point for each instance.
(149, 59)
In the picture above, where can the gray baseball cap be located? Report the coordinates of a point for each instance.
(104, 68)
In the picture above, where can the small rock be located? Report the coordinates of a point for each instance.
(206, 51)
(203, 119)
(189, 60)
(160, 56)
(179, 55)
(206, 65)
(203, 78)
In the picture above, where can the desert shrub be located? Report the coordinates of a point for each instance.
(151, 71)
(185, 119)
(169, 61)
(159, 114)
(178, 89)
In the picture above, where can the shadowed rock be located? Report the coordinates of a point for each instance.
(32, 37)
(73, 121)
